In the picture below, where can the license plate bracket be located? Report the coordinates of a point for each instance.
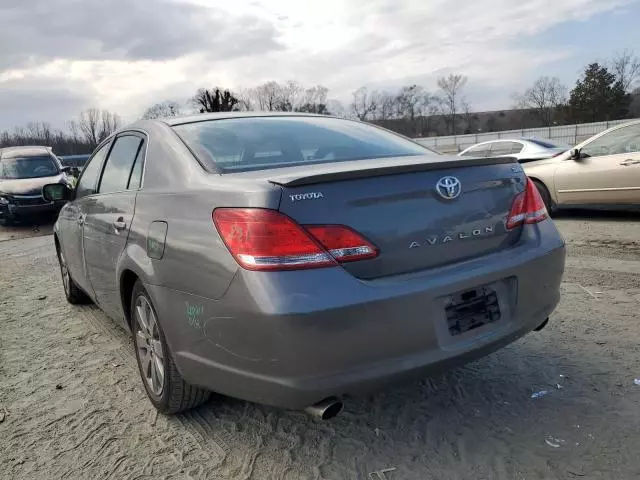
(472, 309)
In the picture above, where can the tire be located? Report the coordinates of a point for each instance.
(546, 197)
(72, 292)
(169, 394)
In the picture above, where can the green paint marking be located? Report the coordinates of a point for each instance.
(193, 315)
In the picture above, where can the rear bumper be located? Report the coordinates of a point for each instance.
(291, 339)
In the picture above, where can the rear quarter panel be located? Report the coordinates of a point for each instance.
(195, 259)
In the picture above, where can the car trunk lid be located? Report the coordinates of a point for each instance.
(410, 210)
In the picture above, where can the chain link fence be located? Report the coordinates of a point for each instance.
(569, 135)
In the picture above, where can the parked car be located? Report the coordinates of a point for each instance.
(601, 171)
(523, 149)
(23, 173)
(74, 161)
(291, 259)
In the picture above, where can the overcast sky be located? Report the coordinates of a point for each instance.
(58, 57)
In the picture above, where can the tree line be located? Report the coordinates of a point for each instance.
(605, 91)
(82, 136)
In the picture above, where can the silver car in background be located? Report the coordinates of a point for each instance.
(293, 259)
(523, 149)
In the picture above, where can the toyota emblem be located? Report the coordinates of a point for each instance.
(449, 188)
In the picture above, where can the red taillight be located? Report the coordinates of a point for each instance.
(343, 244)
(261, 239)
(527, 207)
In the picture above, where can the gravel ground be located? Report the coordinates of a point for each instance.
(72, 405)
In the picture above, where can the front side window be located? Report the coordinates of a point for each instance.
(15, 168)
(87, 183)
(117, 170)
(621, 140)
(255, 143)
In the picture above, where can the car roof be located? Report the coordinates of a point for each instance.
(199, 117)
(24, 151)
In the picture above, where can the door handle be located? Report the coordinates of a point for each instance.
(629, 161)
(119, 224)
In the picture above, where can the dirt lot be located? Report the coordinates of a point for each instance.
(72, 405)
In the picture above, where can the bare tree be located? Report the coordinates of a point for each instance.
(386, 105)
(89, 125)
(167, 108)
(626, 67)
(246, 102)
(95, 125)
(337, 109)
(290, 94)
(268, 96)
(545, 96)
(469, 116)
(314, 100)
(109, 123)
(364, 104)
(451, 90)
(214, 100)
(409, 102)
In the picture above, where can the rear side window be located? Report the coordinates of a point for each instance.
(500, 148)
(505, 148)
(117, 170)
(135, 180)
(89, 179)
(254, 143)
(478, 151)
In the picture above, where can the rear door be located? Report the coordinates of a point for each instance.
(609, 172)
(109, 216)
(73, 215)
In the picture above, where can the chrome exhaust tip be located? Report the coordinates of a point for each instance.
(325, 409)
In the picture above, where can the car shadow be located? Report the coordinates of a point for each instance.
(405, 427)
(28, 227)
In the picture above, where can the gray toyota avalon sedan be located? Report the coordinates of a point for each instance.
(293, 259)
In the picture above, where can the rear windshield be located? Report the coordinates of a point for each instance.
(255, 143)
(27, 167)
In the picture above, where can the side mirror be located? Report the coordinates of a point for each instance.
(55, 192)
(574, 154)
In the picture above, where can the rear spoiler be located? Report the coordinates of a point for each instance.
(334, 172)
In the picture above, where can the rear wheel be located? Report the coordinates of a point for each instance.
(546, 196)
(164, 385)
(72, 292)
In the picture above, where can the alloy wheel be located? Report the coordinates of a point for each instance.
(149, 347)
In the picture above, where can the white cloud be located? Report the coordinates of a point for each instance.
(341, 44)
